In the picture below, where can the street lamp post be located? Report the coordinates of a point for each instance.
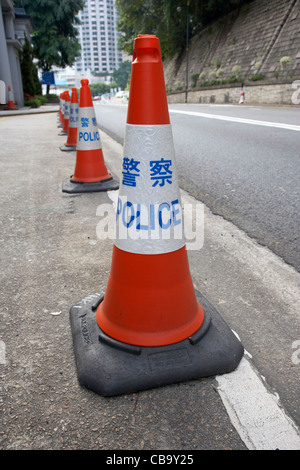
(187, 51)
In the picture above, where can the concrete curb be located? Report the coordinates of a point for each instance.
(26, 110)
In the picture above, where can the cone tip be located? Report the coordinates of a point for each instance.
(74, 97)
(146, 41)
(148, 104)
(85, 94)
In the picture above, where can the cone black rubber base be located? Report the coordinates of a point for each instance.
(111, 368)
(69, 186)
(68, 148)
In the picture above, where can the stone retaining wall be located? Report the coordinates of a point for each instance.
(262, 37)
(261, 94)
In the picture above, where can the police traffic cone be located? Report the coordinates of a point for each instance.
(66, 119)
(60, 113)
(63, 108)
(10, 104)
(90, 172)
(62, 99)
(150, 328)
(71, 143)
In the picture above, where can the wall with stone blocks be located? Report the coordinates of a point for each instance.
(279, 94)
(254, 39)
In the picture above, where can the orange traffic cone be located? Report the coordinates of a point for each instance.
(150, 328)
(60, 113)
(90, 172)
(65, 129)
(11, 104)
(63, 108)
(71, 143)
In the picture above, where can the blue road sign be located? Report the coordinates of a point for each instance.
(48, 78)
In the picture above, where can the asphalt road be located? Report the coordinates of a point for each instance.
(242, 162)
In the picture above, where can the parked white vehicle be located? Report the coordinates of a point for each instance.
(122, 94)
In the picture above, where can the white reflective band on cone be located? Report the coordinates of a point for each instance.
(74, 111)
(149, 216)
(88, 137)
(67, 110)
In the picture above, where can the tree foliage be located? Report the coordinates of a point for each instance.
(121, 76)
(99, 88)
(31, 84)
(54, 40)
(168, 19)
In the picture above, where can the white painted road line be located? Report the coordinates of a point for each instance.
(2, 353)
(254, 122)
(255, 412)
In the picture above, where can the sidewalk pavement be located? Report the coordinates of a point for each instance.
(51, 258)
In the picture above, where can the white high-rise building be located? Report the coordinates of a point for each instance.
(98, 37)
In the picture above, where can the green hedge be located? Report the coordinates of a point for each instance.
(35, 101)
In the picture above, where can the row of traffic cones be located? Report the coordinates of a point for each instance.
(69, 119)
(79, 124)
(150, 327)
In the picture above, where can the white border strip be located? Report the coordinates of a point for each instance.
(254, 122)
(254, 412)
(2, 352)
